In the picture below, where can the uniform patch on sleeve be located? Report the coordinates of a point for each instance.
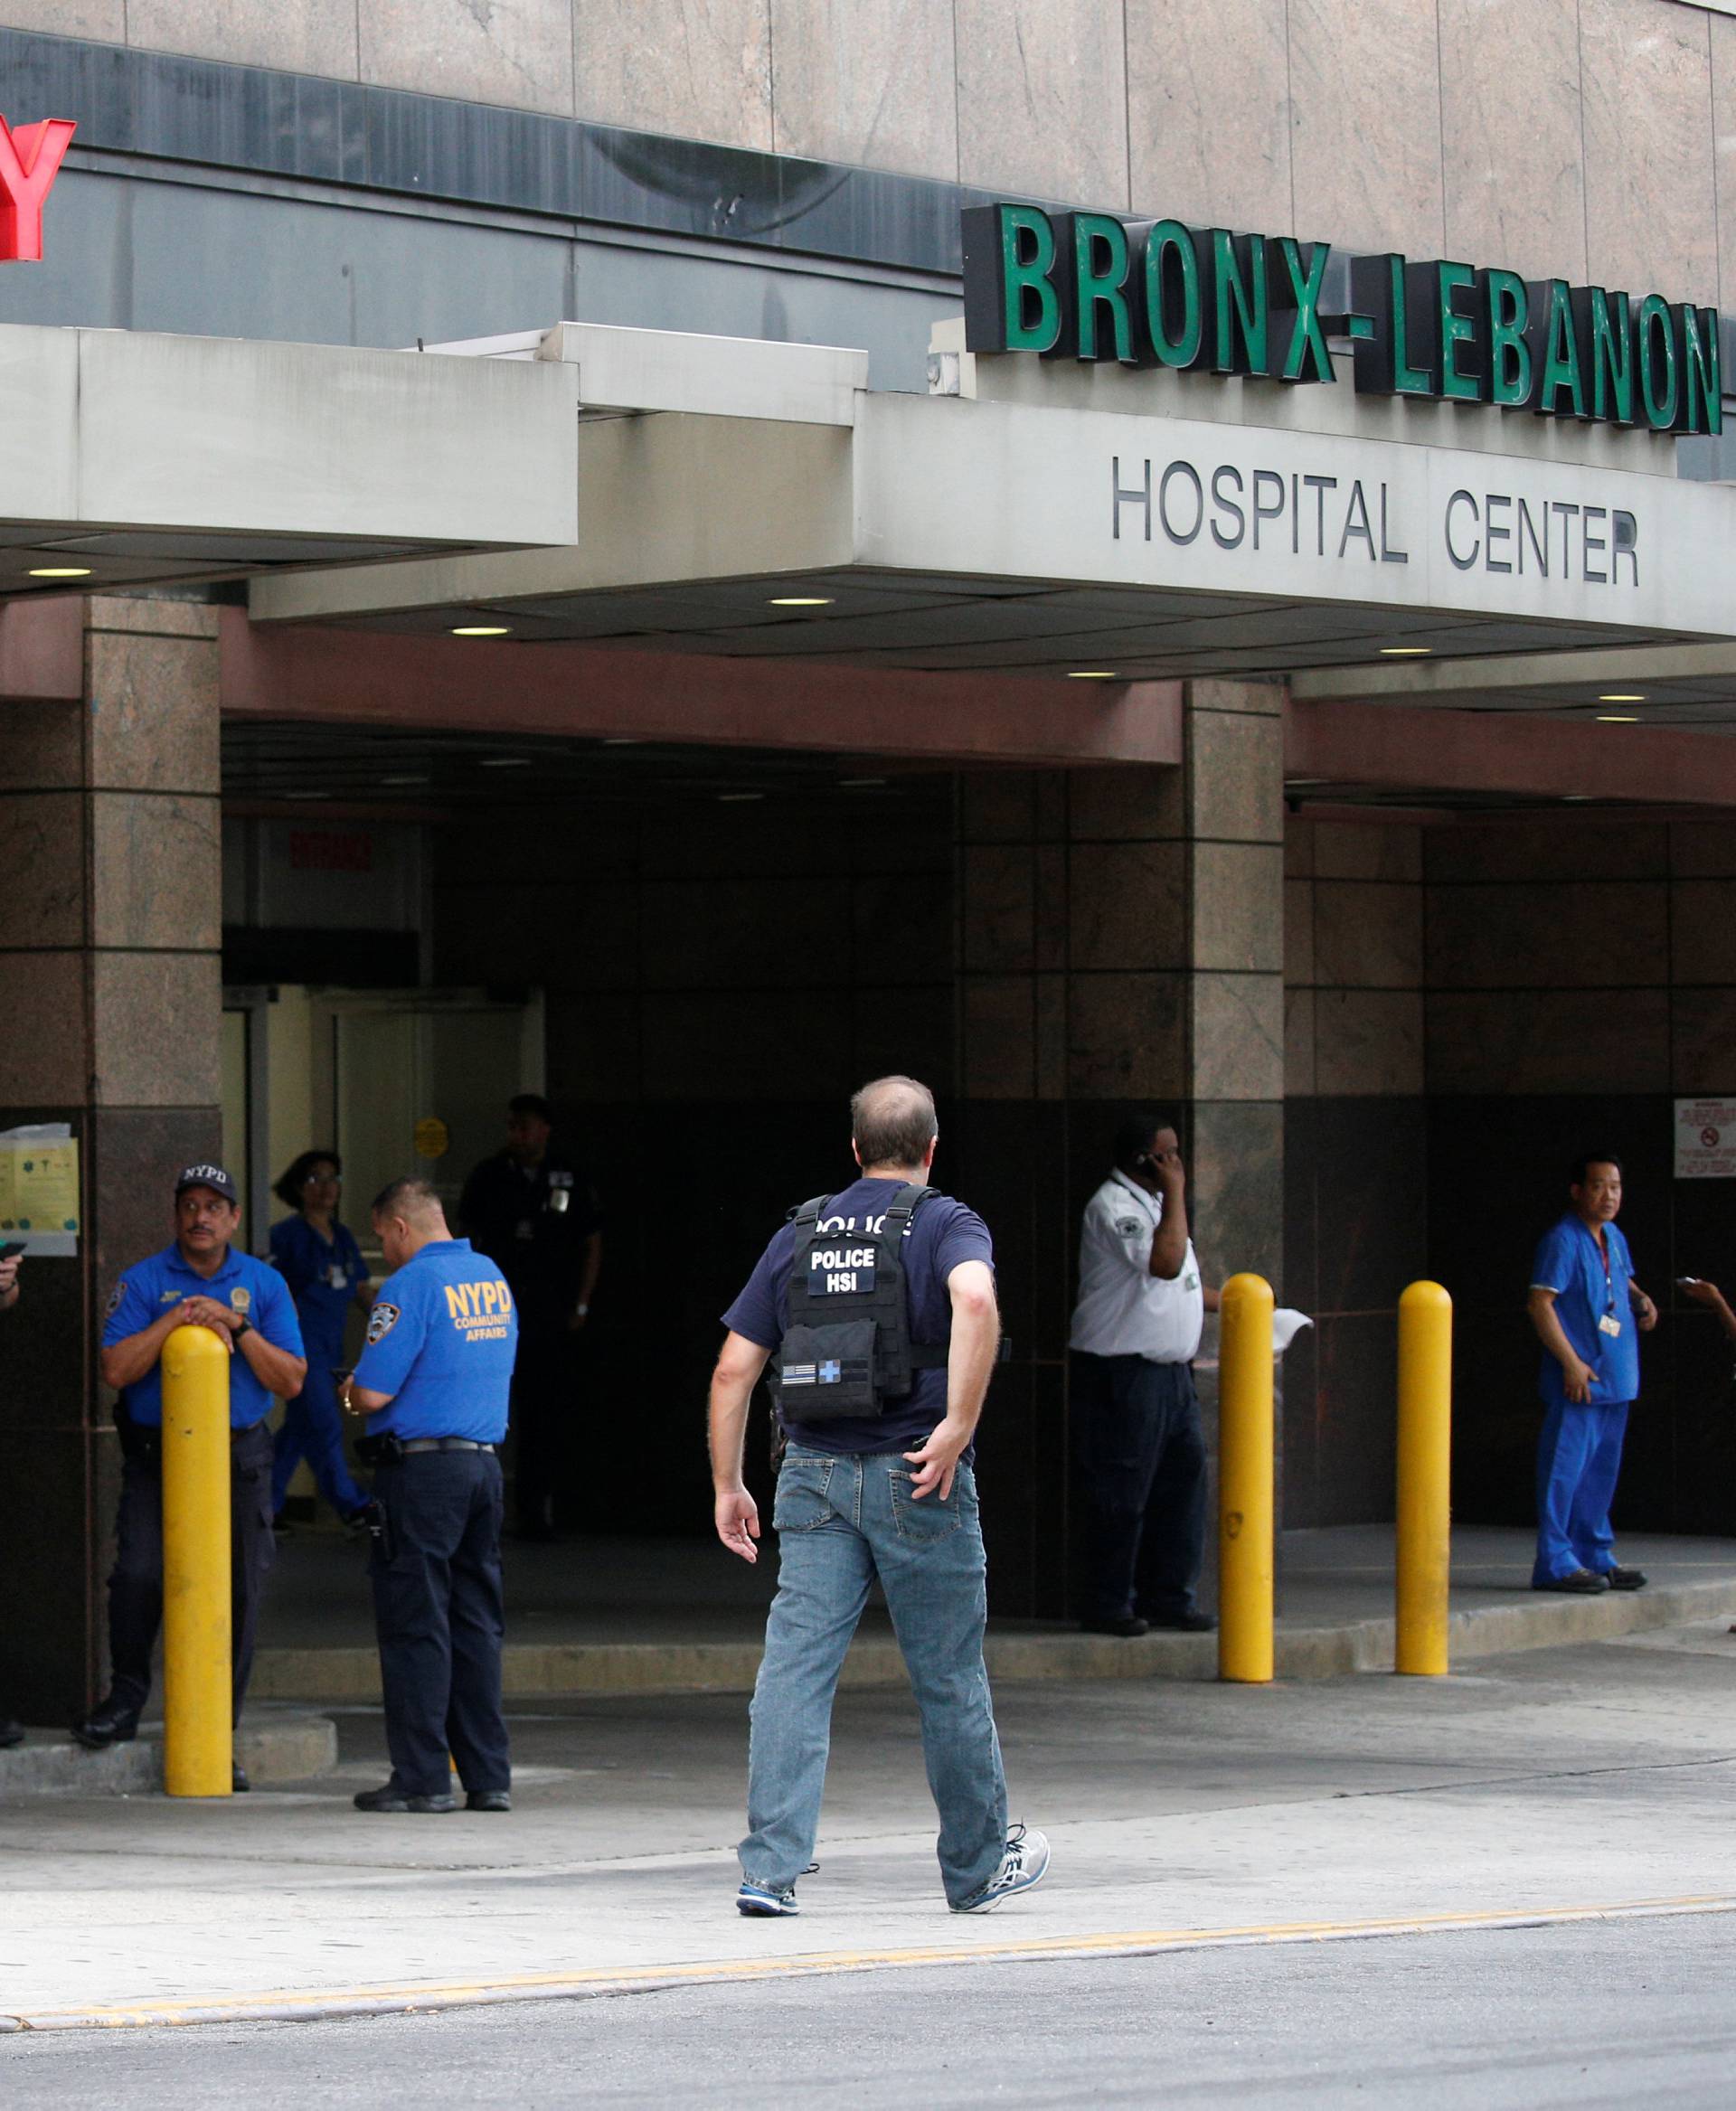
(114, 1302)
(1129, 1227)
(380, 1321)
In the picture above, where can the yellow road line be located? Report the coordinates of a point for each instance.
(427, 1997)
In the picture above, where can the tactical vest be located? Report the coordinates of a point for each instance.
(847, 1351)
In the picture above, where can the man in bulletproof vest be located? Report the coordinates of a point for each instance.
(876, 1309)
(533, 1213)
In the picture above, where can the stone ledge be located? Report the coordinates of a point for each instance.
(276, 1746)
(534, 1671)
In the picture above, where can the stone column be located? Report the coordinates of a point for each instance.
(1120, 947)
(110, 987)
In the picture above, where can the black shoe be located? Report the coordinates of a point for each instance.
(109, 1722)
(488, 1799)
(1625, 1579)
(394, 1798)
(1582, 1583)
(238, 1781)
(281, 1527)
(11, 1733)
(1127, 1626)
(1194, 1623)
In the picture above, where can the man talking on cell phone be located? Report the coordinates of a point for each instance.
(1588, 1313)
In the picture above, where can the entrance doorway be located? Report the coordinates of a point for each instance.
(395, 1081)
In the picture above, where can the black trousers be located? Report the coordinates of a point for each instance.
(136, 1585)
(438, 1609)
(1139, 1468)
(544, 1422)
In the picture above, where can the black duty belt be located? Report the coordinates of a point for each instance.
(414, 1443)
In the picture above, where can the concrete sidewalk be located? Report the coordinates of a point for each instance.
(638, 1616)
(1583, 1781)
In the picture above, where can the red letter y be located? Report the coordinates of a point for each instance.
(30, 160)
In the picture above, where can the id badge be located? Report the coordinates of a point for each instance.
(338, 1275)
(558, 1197)
(1609, 1325)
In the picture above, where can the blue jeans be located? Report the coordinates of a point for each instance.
(1579, 1459)
(843, 1521)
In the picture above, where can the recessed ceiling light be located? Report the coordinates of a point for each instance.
(1616, 718)
(738, 798)
(800, 601)
(306, 795)
(403, 780)
(1092, 674)
(1405, 652)
(482, 630)
(1623, 696)
(621, 741)
(507, 761)
(60, 571)
(859, 784)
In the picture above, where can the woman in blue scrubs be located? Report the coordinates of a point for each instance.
(323, 1265)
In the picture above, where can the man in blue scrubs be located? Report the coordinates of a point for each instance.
(199, 1279)
(434, 1382)
(1589, 1313)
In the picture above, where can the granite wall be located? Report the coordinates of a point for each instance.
(110, 990)
(1470, 1004)
(1594, 138)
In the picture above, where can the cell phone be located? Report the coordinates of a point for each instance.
(12, 1248)
(1687, 1282)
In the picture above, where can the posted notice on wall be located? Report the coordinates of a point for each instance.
(1705, 1139)
(39, 1188)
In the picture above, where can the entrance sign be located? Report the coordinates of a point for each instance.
(1705, 1139)
(1090, 286)
(30, 160)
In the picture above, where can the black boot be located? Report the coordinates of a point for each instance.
(109, 1722)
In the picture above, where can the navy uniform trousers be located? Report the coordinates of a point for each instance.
(1139, 1468)
(437, 1610)
(136, 1584)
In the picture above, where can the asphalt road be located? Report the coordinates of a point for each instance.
(1616, 2014)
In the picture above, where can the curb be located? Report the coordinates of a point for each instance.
(408, 1999)
(278, 1747)
(543, 1670)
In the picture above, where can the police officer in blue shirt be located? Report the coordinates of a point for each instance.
(1589, 1313)
(316, 1255)
(199, 1279)
(434, 1380)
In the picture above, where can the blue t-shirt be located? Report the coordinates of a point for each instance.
(941, 1234)
(242, 1283)
(1569, 1263)
(323, 1275)
(441, 1340)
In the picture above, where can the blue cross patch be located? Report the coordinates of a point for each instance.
(831, 1372)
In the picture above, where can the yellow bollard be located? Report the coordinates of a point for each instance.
(1425, 1478)
(1245, 1481)
(198, 1737)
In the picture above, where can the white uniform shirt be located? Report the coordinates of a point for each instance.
(1123, 1309)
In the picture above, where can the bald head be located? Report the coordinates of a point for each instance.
(893, 1125)
(408, 1215)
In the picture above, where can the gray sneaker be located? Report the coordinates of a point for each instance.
(1024, 1866)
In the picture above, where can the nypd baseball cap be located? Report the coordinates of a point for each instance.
(210, 1176)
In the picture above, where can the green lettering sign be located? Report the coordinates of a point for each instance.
(1461, 376)
(1243, 303)
(1100, 264)
(1604, 322)
(1660, 380)
(1295, 291)
(1555, 352)
(1702, 396)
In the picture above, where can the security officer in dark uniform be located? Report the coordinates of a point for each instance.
(434, 1380)
(533, 1211)
(199, 1279)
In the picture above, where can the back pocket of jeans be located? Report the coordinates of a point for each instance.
(802, 1502)
(920, 1520)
